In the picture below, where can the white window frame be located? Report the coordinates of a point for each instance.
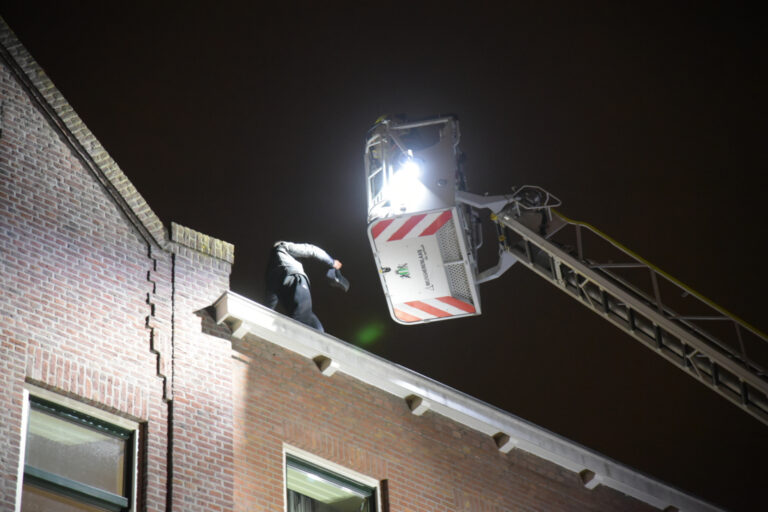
(30, 390)
(329, 466)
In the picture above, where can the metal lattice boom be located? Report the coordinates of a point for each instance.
(708, 343)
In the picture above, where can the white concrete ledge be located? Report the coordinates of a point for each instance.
(504, 429)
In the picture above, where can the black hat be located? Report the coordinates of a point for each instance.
(336, 279)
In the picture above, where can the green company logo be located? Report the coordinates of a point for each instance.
(402, 271)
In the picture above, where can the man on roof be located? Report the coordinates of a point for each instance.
(288, 284)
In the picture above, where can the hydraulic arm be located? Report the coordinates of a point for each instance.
(705, 341)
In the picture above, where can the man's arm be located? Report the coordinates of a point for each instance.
(310, 251)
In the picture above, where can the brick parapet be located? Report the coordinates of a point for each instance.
(202, 243)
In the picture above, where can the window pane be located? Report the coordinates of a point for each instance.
(298, 502)
(76, 452)
(313, 489)
(34, 499)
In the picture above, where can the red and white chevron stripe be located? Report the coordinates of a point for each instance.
(439, 307)
(410, 226)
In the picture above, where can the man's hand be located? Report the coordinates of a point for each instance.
(336, 264)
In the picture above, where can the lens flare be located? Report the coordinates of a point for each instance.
(370, 333)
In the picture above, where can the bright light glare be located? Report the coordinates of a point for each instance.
(405, 188)
(410, 170)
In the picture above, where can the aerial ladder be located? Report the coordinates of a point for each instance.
(425, 231)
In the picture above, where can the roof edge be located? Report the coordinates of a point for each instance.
(421, 393)
(75, 134)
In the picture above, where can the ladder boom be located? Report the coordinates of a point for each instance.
(708, 343)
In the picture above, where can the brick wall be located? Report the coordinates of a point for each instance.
(429, 462)
(202, 405)
(96, 298)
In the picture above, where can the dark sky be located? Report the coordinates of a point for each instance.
(247, 123)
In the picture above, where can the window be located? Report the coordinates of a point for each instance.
(75, 462)
(312, 488)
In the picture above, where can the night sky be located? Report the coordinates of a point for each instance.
(248, 123)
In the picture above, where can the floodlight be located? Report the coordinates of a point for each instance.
(410, 169)
(405, 187)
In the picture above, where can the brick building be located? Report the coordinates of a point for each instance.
(134, 380)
